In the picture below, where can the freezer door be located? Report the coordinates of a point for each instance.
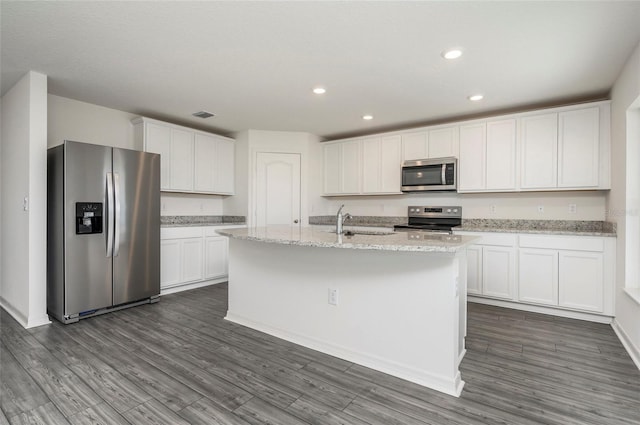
(136, 250)
(87, 266)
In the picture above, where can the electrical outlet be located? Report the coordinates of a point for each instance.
(573, 208)
(492, 208)
(540, 208)
(333, 296)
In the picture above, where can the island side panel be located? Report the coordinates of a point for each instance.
(397, 312)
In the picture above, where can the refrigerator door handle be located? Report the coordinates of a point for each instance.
(116, 218)
(109, 219)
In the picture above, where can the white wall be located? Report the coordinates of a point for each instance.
(625, 91)
(23, 285)
(84, 122)
(591, 205)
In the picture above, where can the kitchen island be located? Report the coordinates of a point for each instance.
(394, 302)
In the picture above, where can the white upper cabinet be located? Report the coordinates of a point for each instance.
(539, 151)
(488, 156)
(342, 168)
(564, 148)
(501, 155)
(568, 149)
(433, 143)
(443, 142)
(578, 148)
(190, 160)
(213, 168)
(158, 140)
(472, 161)
(381, 165)
(369, 166)
(181, 160)
(415, 146)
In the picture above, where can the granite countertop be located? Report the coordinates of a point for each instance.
(382, 241)
(546, 227)
(200, 220)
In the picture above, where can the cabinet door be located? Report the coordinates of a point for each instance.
(332, 168)
(390, 164)
(581, 280)
(538, 276)
(474, 270)
(539, 149)
(498, 271)
(414, 146)
(191, 259)
(204, 163)
(371, 165)
(578, 148)
(170, 262)
(158, 140)
(471, 172)
(443, 142)
(215, 254)
(501, 155)
(225, 166)
(181, 160)
(350, 167)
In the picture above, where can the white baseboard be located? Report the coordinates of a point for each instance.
(633, 350)
(440, 383)
(25, 322)
(194, 285)
(541, 309)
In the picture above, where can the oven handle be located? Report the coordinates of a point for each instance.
(443, 174)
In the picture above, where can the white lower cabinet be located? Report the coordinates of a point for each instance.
(192, 257)
(491, 266)
(582, 280)
(538, 276)
(498, 272)
(566, 273)
(216, 250)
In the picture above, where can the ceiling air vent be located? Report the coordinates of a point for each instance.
(203, 114)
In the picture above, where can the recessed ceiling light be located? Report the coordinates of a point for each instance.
(475, 97)
(367, 117)
(452, 54)
(319, 90)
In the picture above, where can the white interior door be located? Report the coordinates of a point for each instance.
(277, 189)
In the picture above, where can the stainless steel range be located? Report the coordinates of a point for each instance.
(432, 219)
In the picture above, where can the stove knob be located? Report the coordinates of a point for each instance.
(455, 210)
(448, 210)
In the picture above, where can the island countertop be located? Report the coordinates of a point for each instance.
(367, 240)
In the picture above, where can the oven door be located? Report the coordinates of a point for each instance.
(425, 175)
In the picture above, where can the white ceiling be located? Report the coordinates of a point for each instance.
(254, 64)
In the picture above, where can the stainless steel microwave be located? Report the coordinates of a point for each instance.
(430, 174)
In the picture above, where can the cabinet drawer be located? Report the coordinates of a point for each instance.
(573, 243)
(167, 233)
(495, 239)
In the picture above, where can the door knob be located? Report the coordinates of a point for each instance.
(295, 221)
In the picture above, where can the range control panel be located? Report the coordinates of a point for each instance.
(434, 212)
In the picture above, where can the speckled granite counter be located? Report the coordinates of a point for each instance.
(200, 220)
(549, 227)
(383, 241)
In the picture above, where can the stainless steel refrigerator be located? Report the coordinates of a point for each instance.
(103, 229)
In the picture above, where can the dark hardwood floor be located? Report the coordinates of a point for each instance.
(179, 362)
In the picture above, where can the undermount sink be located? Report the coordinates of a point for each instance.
(366, 232)
(363, 232)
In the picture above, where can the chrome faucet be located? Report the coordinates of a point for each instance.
(340, 219)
